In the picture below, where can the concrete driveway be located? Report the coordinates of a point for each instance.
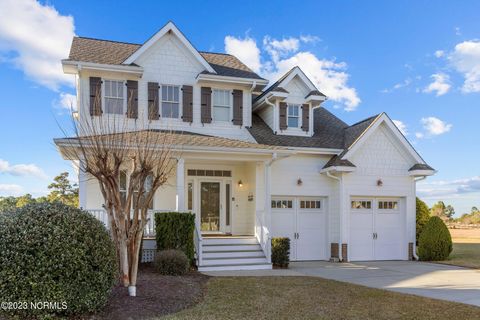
(419, 278)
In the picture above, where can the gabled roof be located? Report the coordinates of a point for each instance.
(290, 74)
(170, 27)
(115, 53)
(420, 166)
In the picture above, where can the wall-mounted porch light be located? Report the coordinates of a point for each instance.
(240, 183)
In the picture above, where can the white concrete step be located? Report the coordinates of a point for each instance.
(259, 266)
(233, 261)
(233, 254)
(230, 247)
(228, 240)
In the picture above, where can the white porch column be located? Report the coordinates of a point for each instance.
(82, 187)
(180, 203)
(268, 195)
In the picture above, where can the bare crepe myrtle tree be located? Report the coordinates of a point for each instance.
(105, 146)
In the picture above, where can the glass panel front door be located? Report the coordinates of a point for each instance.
(210, 206)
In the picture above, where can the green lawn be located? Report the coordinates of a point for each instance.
(466, 248)
(464, 255)
(314, 298)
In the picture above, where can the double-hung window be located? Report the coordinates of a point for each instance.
(293, 116)
(114, 96)
(170, 101)
(221, 105)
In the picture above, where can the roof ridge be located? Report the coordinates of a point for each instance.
(106, 40)
(220, 53)
(364, 120)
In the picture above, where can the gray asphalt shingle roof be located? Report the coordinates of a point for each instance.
(113, 52)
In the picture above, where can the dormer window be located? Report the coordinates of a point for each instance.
(114, 96)
(170, 101)
(221, 105)
(293, 116)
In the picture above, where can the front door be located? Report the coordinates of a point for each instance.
(210, 206)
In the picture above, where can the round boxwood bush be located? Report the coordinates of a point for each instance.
(54, 253)
(171, 262)
(435, 242)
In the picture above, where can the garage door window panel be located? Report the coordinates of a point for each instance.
(310, 204)
(361, 204)
(282, 204)
(387, 206)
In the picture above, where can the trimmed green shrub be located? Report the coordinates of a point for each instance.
(51, 252)
(435, 243)
(422, 217)
(281, 252)
(171, 262)
(175, 230)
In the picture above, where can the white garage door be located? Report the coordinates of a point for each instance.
(377, 229)
(303, 220)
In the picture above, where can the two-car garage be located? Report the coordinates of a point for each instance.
(376, 227)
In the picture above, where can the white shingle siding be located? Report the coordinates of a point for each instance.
(169, 62)
(382, 157)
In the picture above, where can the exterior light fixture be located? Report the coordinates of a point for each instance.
(240, 183)
(379, 183)
(299, 182)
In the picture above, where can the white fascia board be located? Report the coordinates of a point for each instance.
(326, 151)
(271, 94)
(170, 26)
(420, 173)
(73, 67)
(338, 169)
(298, 72)
(382, 118)
(67, 143)
(315, 98)
(218, 78)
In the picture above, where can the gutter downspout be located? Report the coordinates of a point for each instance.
(340, 197)
(274, 116)
(415, 241)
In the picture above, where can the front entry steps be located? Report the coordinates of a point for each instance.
(232, 253)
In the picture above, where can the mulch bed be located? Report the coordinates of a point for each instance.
(157, 295)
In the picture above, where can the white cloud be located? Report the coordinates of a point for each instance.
(434, 127)
(34, 38)
(10, 190)
(67, 101)
(21, 170)
(401, 126)
(466, 60)
(439, 53)
(399, 85)
(440, 85)
(329, 76)
(419, 135)
(244, 49)
(449, 188)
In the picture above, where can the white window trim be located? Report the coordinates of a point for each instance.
(299, 117)
(104, 105)
(127, 181)
(372, 204)
(180, 101)
(230, 94)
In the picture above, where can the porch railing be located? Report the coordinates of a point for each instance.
(263, 235)
(148, 232)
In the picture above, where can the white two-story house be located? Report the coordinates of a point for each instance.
(258, 161)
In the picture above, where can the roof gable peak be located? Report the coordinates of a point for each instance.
(170, 27)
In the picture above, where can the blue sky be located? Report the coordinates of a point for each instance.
(418, 61)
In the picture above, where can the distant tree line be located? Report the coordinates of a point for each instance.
(61, 190)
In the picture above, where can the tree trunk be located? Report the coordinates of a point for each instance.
(134, 260)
